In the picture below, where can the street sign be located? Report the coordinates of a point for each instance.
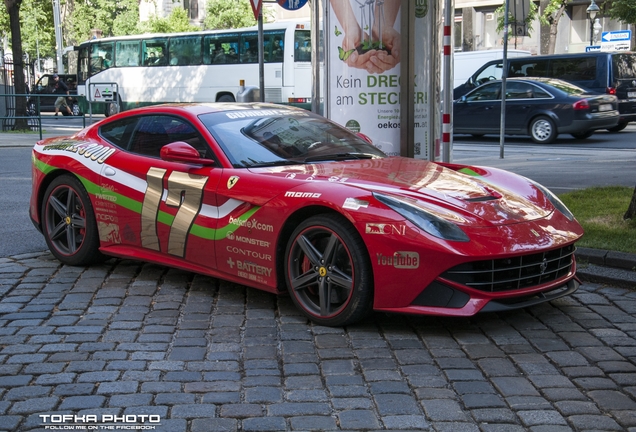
(292, 4)
(616, 36)
(256, 7)
(592, 48)
(616, 46)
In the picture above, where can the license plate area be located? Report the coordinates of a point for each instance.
(605, 107)
(631, 94)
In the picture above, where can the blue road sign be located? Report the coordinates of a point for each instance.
(292, 4)
(616, 36)
(592, 48)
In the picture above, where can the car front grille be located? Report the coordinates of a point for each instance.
(509, 274)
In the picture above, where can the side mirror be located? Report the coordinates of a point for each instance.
(364, 137)
(463, 99)
(180, 151)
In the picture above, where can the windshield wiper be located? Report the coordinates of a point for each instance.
(339, 157)
(274, 163)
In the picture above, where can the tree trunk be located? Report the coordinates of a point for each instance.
(631, 210)
(13, 8)
(554, 25)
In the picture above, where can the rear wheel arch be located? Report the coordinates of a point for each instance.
(44, 185)
(225, 97)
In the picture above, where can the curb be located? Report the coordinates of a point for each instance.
(607, 267)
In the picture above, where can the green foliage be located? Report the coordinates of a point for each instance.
(36, 18)
(177, 21)
(228, 14)
(532, 14)
(624, 10)
(111, 17)
(600, 212)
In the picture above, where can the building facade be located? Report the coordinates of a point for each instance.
(475, 25)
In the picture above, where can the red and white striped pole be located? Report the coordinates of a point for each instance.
(447, 96)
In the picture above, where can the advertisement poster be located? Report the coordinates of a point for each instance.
(364, 69)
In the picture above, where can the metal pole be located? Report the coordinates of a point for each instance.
(315, 56)
(504, 74)
(58, 35)
(261, 53)
(447, 124)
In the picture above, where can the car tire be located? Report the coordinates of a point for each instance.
(542, 130)
(583, 135)
(68, 222)
(619, 127)
(226, 98)
(328, 271)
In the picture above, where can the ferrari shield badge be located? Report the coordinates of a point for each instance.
(232, 181)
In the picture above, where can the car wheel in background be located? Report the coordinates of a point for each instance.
(328, 271)
(226, 98)
(542, 130)
(68, 222)
(113, 107)
(75, 109)
(619, 127)
(583, 135)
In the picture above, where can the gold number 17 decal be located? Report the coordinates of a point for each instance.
(185, 191)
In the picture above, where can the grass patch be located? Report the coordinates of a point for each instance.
(600, 211)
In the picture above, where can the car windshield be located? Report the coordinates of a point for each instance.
(271, 137)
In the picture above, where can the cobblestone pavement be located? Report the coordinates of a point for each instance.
(140, 340)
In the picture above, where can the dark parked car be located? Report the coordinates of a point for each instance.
(601, 72)
(44, 91)
(539, 107)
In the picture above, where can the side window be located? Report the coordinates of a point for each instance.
(249, 48)
(486, 93)
(155, 52)
(185, 50)
(101, 57)
(302, 46)
(519, 90)
(274, 45)
(491, 72)
(127, 53)
(153, 132)
(221, 48)
(118, 133)
(575, 69)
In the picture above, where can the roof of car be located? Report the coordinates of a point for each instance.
(205, 108)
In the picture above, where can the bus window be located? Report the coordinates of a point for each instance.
(101, 57)
(302, 46)
(155, 52)
(274, 45)
(127, 53)
(249, 48)
(185, 50)
(221, 48)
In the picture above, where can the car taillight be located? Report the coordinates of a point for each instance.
(610, 90)
(581, 105)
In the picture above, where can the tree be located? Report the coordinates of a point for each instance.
(631, 210)
(624, 10)
(228, 14)
(550, 16)
(176, 22)
(113, 18)
(13, 9)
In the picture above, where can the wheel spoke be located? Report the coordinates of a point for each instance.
(329, 254)
(70, 240)
(310, 251)
(70, 201)
(58, 230)
(305, 280)
(341, 279)
(78, 221)
(324, 292)
(57, 205)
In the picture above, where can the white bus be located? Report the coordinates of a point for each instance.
(204, 66)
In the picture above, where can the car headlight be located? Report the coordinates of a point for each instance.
(432, 224)
(556, 202)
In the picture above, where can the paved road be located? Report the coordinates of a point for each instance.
(134, 339)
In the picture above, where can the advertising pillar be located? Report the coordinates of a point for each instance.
(366, 44)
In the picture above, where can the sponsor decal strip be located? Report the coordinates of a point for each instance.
(163, 217)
